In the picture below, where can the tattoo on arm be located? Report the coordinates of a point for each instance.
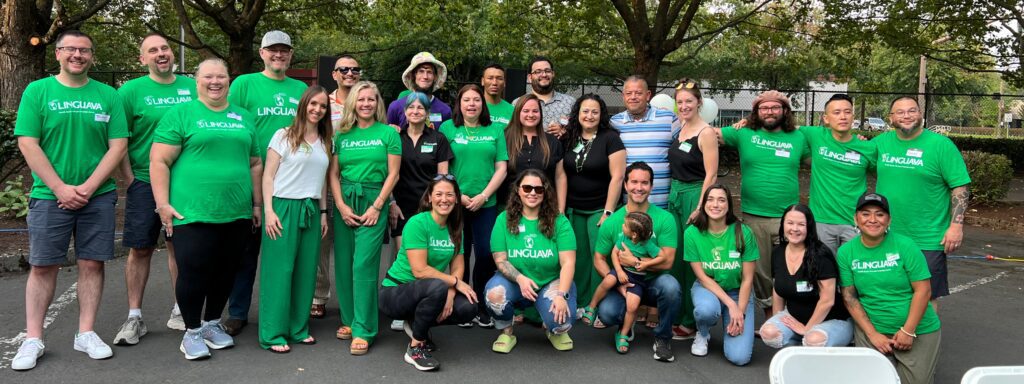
(852, 299)
(506, 268)
(958, 203)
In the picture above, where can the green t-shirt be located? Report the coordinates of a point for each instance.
(664, 232)
(646, 250)
(272, 103)
(530, 252)
(501, 113)
(917, 177)
(145, 103)
(882, 276)
(838, 174)
(770, 162)
(718, 255)
(210, 180)
(476, 150)
(363, 152)
(421, 232)
(73, 126)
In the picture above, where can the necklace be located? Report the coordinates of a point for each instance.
(718, 235)
(581, 156)
(470, 136)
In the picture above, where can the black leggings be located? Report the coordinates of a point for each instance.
(420, 302)
(208, 256)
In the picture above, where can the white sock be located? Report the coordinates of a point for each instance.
(135, 312)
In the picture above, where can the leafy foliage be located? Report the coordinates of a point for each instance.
(990, 176)
(13, 199)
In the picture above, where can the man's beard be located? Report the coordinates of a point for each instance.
(910, 131)
(541, 89)
(770, 126)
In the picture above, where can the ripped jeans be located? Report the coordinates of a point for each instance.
(504, 311)
(833, 333)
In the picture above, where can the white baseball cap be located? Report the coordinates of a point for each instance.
(276, 37)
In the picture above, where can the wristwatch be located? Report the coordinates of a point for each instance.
(607, 212)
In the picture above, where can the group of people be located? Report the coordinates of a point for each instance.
(499, 211)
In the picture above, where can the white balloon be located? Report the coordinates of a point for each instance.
(663, 101)
(709, 111)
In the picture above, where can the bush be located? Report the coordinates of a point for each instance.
(1012, 148)
(990, 176)
(13, 199)
(11, 161)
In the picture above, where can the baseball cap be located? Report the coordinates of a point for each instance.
(871, 198)
(276, 37)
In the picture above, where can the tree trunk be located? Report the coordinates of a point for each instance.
(20, 61)
(647, 64)
(242, 53)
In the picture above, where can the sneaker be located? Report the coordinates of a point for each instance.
(214, 335)
(465, 325)
(428, 344)
(700, 345)
(663, 350)
(30, 351)
(175, 321)
(90, 343)
(397, 325)
(680, 333)
(421, 359)
(130, 332)
(193, 345)
(484, 321)
(234, 326)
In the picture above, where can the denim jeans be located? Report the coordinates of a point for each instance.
(707, 309)
(245, 277)
(838, 333)
(504, 311)
(662, 291)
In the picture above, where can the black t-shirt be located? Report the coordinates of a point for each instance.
(588, 187)
(419, 167)
(531, 156)
(686, 161)
(800, 295)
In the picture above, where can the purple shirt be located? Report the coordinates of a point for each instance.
(439, 112)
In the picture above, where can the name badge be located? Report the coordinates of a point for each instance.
(522, 228)
(852, 156)
(427, 149)
(579, 147)
(804, 286)
(184, 92)
(914, 153)
(102, 117)
(686, 147)
(435, 117)
(782, 153)
(734, 254)
(335, 115)
(232, 115)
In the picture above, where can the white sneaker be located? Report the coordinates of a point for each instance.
(30, 351)
(700, 345)
(397, 325)
(175, 321)
(131, 331)
(91, 344)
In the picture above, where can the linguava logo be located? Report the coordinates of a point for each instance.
(532, 253)
(901, 160)
(219, 124)
(721, 265)
(840, 157)
(529, 241)
(279, 99)
(170, 100)
(858, 265)
(58, 105)
(441, 243)
(360, 143)
(757, 139)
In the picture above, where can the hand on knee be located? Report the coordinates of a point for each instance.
(771, 336)
(815, 338)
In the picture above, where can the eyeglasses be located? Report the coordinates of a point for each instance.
(777, 108)
(910, 112)
(446, 176)
(538, 189)
(278, 51)
(72, 50)
(345, 70)
(542, 72)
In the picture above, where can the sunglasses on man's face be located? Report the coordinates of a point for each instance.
(346, 70)
(538, 189)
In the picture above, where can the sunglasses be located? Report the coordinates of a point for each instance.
(345, 70)
(446, 176)
(538, 189)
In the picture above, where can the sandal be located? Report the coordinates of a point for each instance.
(359, 347)
(281, 349)
(344, 333)
(621, 343)
(651, 320)
(317, 311)
(561, 341)
(588, 315)
(308, 341)
(504, 343)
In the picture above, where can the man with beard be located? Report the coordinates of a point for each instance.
(493, 82)
(924, 176)
(771, 149)
(555, 106)
(146, 99)
(664, 291)
(647, 133)
(73, 134)
(425, 74)
(272, 97)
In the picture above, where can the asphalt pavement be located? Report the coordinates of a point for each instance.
(981, 324)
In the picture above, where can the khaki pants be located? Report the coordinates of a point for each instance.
(766, 232)
(916, 366)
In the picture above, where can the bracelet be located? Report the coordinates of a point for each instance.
(323, 211)
(375, 207)
(912, 335)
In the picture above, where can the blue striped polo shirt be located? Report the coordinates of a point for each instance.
(648, 140)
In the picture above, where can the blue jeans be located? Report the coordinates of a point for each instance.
(504, 311)
(662, 291)
(837, 333)
(707, 309)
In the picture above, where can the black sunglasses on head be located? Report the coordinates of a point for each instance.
(446, 176)
(354, 70)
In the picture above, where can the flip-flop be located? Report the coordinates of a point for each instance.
(308, 341)
(271, 349)
(504, 343)
(359, 347)
(344, 332)
(317, 311)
